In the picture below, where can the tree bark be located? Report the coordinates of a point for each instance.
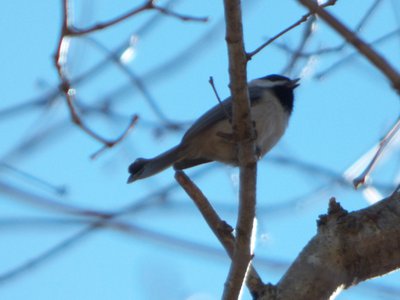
(348, 248)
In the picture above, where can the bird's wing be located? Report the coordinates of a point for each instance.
(214, 115)
(218, 113)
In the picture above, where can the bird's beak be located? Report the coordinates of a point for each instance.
(294, 83)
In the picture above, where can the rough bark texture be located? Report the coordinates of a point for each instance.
(348, 248)
(243, 132)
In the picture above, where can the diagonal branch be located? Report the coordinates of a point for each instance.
(68, 31)
(374, 57)
(348, 248)
(60, 60)
(294, 25)
(220, 228)
(369, 53)
(362, 178)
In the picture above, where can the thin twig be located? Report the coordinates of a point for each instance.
(48, 203)
(300, 21)
(367, 16)
(101, 219)
(181, 17)
(59, 190)
(360, 25)
(368, 52)
(68, 31)
(362, 178)
(228, 115)
(119, 139)
(72, 31)
(148, 5)
(334, 49)
(307, 33)
(44, 256)
(60, 60)
(136, 81)
(348, 57)
(177, 62)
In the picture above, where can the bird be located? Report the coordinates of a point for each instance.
(210, 138)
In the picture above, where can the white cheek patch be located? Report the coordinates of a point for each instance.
(267, 83)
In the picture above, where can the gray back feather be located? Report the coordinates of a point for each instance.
(218, 113)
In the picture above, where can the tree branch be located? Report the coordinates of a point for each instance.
(369, 53)
(348, 248)
(146, 6)
(220, 228)
(60, 61)
(244, 133)
(286, 30)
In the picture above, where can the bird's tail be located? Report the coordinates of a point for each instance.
(142, 167)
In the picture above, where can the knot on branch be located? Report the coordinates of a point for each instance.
(335, 212)
(65, 87)
(267, 292)
(224, 228)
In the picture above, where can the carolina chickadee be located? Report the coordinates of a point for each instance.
(210, 138)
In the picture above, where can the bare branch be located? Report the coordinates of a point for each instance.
(220, 228)
(137, 82)
(228, 115)
(118, 139)
(360, 180)
(342, 61)
(65, 86)
(60, 58)
(374, 57)
(60, 190)
(49, 203)
(243, 132)
(93, 220)
(179, 16)
(294, 25)
(45, 256)
(72, 31)
(349, 248)
(306, 36)
(148, 5)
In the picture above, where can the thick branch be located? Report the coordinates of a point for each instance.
(349, 248)
(243, 131)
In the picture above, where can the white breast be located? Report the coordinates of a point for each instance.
(271, 121)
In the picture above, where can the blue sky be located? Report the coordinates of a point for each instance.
(168, 249)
